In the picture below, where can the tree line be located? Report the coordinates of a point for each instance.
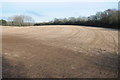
(108, 19)
(18, 20)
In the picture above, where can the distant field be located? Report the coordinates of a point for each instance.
(59, 52)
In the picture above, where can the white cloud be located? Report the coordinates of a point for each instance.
(59, 1)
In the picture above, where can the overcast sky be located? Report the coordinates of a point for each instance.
(46, 11)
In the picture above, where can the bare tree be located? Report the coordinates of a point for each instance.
(20, 20)
(28, 20)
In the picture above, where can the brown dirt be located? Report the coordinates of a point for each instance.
(59, 52)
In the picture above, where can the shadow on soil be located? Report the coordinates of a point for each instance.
(12, 69)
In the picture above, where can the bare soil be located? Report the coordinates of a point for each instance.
(59, 52)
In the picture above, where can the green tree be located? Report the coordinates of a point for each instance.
(3, 22)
